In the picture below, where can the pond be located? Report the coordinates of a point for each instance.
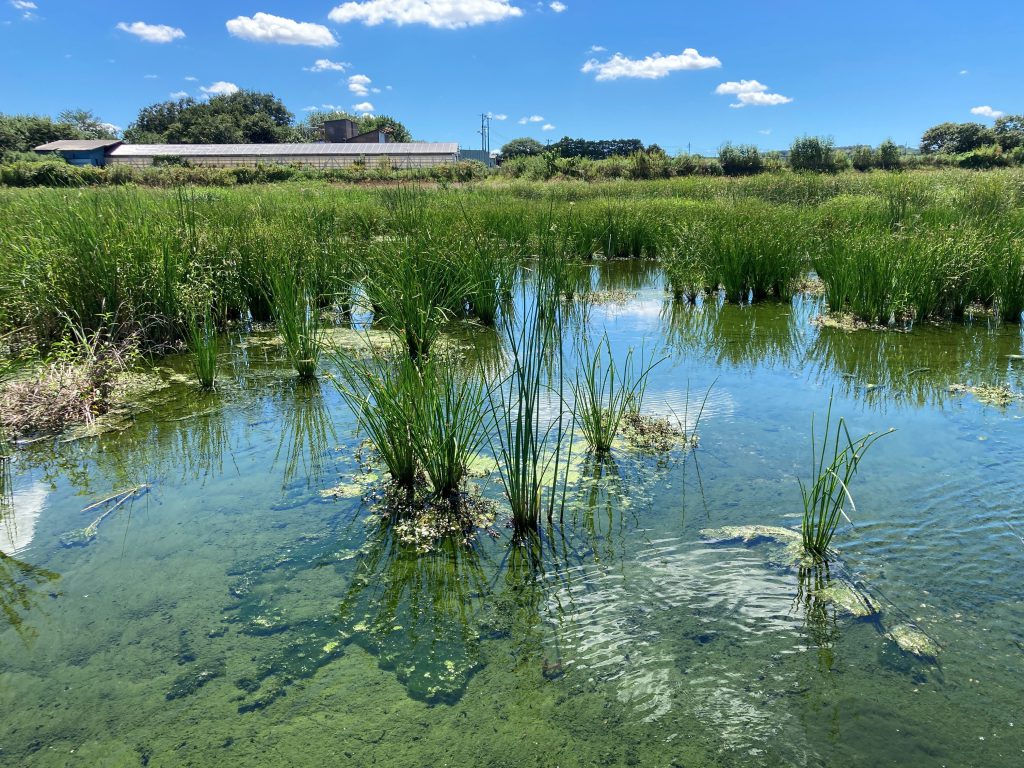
(247, 604)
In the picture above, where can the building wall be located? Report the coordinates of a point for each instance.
(305, 161)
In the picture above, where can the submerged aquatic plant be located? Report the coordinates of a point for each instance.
(526, 443)
(833, 468)
(202, 343)
(297, 314)
(605, 392)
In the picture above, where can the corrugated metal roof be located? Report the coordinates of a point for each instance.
(236, 150)
(75, 145)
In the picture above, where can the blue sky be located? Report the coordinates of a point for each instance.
(676, 73)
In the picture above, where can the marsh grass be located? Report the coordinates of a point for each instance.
(202, 343)
(605, 391)
(297, 315)
(833, 467)
(385, 392)
(526, 441)
(451, 424)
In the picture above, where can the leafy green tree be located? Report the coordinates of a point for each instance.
(523, 147)
(596, 150)
(862, 158)
(86, 125)
(888, 157)
(1009, 132)
(812, 153)
(956, 138)
(740, 159)
(244, 117)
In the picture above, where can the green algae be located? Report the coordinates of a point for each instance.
(912, 640)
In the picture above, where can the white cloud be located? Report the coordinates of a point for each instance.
(311, 109)
(597, 49)
(558, 7)
(650, 67)
(440, 14)
(498, 116)
(765, 132)
(358, 84)
(531, 119)
(24, 5)
(151, 33)
(179, 95)
(220, 88)
(332, 108)
(987, 111)
(191, 78)
(751, 93)
(150, 77)
(547, 127)
(963, 71)
(363, 106)
(267, 28)
(326, 65)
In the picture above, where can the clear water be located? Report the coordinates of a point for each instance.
(235, 616)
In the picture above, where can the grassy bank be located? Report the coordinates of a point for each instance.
(888, 247)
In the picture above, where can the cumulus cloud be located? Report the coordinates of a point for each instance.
(597, 49)
(23, 5)
(547, 127)
(267, 28)
(558, 7)
(220, 88)
(151, 33)
(987, 111)
(179, 95)
(440, 14)
(963, 71)
(359, 85)
(751, 93)
(650, 67)
(531, 119)
(363, 106)
(497, 116)
(191, 78)
(326, 65)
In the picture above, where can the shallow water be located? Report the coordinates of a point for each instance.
(233, 615)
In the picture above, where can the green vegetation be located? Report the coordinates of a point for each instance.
(832, 471)
(296, 310)
(202, 343)
(605, 392)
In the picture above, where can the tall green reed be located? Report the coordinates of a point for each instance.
(605, 391)
(202, 342)
(833, 467)
(296, 312)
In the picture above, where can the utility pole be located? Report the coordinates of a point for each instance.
(485, 132)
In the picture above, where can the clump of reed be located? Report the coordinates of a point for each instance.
(296, 312)
(604, 392)
(527, 442)
(201, 336)
(423, 414)
(833, 467)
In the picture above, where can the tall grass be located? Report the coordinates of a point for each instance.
(451, 424)
(527, 439)
(605, 391)
(833, 467)
(385, 393)
(297, 314)
(202, 343)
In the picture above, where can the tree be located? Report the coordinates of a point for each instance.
(1009, 132)
(243, 117)
(86, 125)
(312, 128)
(523, 147)
(739, 160)
(812, 153)
(596, 150)
(888, 156)
(862, 158)
(956, 138)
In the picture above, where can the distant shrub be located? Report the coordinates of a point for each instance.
(740, 160)
(862, 158)
(889, 156)
(982, 158)
(812, 153)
